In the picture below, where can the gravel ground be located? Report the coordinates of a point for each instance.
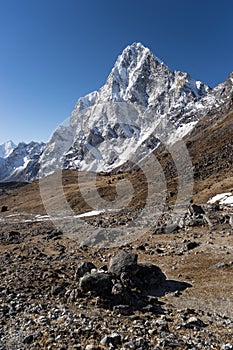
(42, 305)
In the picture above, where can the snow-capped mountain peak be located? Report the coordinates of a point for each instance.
(141, 101)
(6, 148)
(130, 62)
(132, 66)
(111, 121)
(133, 56)
(135, 66)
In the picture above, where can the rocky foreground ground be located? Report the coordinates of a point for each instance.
(170, 289)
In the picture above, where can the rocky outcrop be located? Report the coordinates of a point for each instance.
(123, 281)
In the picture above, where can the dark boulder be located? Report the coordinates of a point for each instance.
(98, 283)
(149, 276)
(123, 262)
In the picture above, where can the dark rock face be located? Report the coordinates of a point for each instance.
(123, 262)
(154, 87)
(99, 283)
(25, 159)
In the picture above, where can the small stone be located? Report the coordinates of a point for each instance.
(4, 208)
(227, 346)
(114, 339)
(194, 322)
(152, 331)
(192, 245)
(13, 235)
(159, 251)
(141, 247)
(196, 209)
(28, 339)
(218, 265)
(177, 293)
(170, 228)
(162, 325)
(42, 319)
(124, 310)
(56, 290)
(103, 268)
(91, 347)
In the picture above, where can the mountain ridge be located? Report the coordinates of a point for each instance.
(124, 119)
(109, 125)
(22, 164)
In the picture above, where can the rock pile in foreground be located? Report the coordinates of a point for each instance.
(125, 281)
(57, 296)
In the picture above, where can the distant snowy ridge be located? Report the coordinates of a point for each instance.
(23, 162)
(6, 148)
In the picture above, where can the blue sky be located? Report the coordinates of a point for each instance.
(54, 51)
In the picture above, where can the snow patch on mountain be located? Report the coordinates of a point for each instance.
(181, 131)
(223, 199)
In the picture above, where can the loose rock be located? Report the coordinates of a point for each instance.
(123, 262)
(99, 283)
